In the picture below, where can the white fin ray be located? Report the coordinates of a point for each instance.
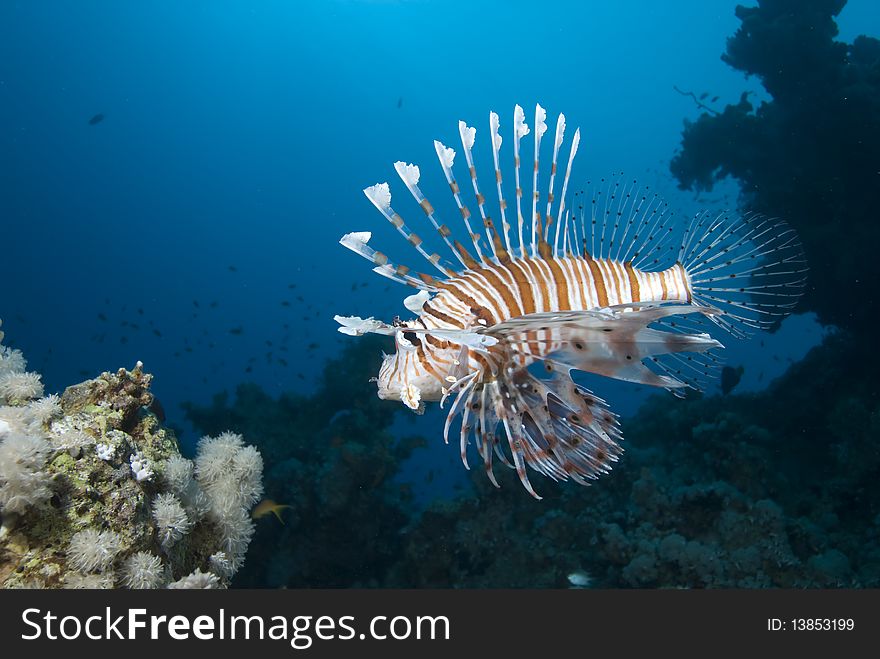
(520, 130)
(557, 142)
(447, 158)
(410, 175)
(575, 142)
(468, 135)
(380, 195)
(357, 243)
(540, 129)
(502, 205)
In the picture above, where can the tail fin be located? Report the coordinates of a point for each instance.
(752, 268)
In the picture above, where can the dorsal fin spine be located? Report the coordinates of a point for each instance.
(409, 174)
(496, 149)
(380, 196)
(447, 158)
(357, 243)
(575, 142)
(520, 130)
(468, 135)
(540, 129)
(557, 142)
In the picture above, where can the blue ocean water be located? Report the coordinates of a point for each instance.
(195, 227)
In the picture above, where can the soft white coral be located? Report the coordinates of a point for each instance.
(230, 475)
(11, 361)
(45, 409)
(142, 570)
(91, 550)
(197, 580)
(171, 519)
(23, 483)
(20, 387)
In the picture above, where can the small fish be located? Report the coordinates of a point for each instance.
(102, 317)
(232, 268)
(714, 99)
(95, 120)
(399, 102)
(267, 506)
(237, 330)
(703, 95)
(730, 377)
(607, 282)
(580, 579)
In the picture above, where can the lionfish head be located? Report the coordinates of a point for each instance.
(403, 375)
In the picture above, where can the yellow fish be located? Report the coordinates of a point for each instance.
(267, 506)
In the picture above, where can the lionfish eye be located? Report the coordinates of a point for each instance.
(410, 336)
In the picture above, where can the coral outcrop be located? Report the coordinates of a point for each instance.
(95, 494)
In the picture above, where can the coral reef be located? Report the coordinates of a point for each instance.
(760, 490)
(809, 155)
(334, 462)
(742, 490)
(95, 494)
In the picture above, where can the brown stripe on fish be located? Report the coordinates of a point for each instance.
(635, 293)
(561, 282)
(469, 261)
(477, 286)
(598, 281)
(523, 283)
(428, 308)
(501, 287)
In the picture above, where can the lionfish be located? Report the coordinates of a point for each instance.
(607, 287)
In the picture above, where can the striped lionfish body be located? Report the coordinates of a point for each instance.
(610, 289)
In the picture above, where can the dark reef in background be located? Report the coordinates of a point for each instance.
(767, 490)
(771, 489)
(810, 155)
(754, 490)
